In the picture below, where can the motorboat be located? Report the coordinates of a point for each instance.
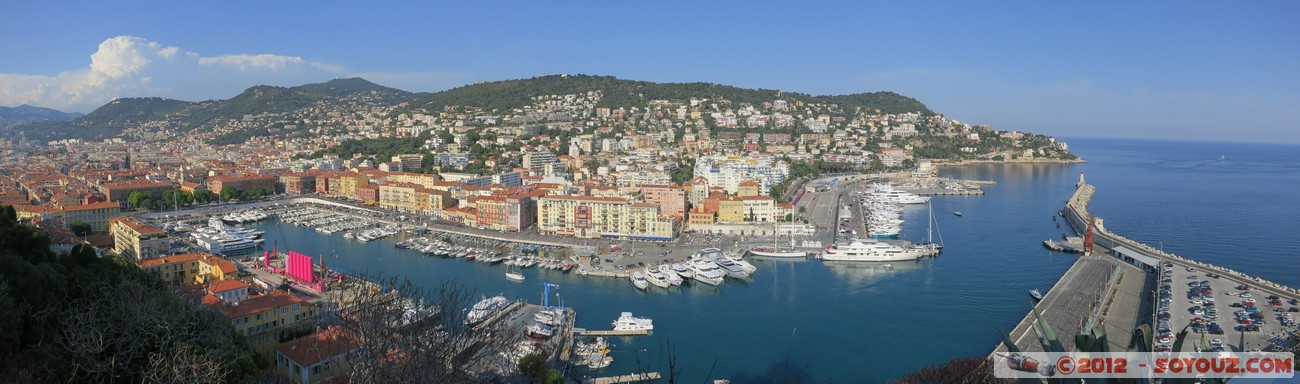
(732, 269)
(670, 274)
(486, 308)
(639, 281)
(539, 331)
(546, 317)
(656, 278)
(867, 250)
(706, 271)
(1035, 294)
(627, 322)
(684, 271)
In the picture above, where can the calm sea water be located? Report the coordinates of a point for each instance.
(821, 322)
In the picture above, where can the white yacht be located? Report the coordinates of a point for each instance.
(626, 322)
(639, 281)
(670, 274)
(706, 271)
(732, 269)
(684, 271)
(867, 250)
(655, 277)
(219, 243)
(486, 308)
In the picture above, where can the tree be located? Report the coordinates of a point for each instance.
(204, 196)
(438, 348)
(229, 192)
(972, 370)
(80, 228)
(139, 200)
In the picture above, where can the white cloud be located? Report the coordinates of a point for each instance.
(125, 66)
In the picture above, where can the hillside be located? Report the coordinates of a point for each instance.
(104, 122)
(510, 94)
(27, 114)
(113, 118)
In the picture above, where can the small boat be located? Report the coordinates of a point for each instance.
(514, 276)
(958, 213)
(1035, 294)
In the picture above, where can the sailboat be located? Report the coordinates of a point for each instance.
(514, 275)
(930, 248)
(774, 251)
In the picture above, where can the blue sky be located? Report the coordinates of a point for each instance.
(1183, 70)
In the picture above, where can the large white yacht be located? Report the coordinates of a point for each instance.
(868, 250)
(729, 266)
(220, 243)
(486, 308)
(708, 272)
(626, 322)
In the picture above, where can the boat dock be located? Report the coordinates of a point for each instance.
(1072, 244)
(945, 192)
(628, 378)
(1112, 293)
(630, 332)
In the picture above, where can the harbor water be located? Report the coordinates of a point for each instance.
(863, 322)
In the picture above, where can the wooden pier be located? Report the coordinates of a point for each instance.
(631, 332)
(628, 378)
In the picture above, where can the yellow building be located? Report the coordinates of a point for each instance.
(400, 196)
(267, 319)
(189, 268)
(749, 188)
(731, 210)
(348, 183)
(133, 238)
(602, 217)
(95, 214)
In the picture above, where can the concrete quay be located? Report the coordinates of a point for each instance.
(1119, 287)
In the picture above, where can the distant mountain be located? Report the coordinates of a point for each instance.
(112, 118)
(26, 114)
(510, 94)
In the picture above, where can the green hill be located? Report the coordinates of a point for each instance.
(510, 94)
(109, 120)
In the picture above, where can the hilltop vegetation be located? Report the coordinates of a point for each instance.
(120, 114)
(616, 93)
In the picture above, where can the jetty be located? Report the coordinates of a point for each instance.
(629, 332)
(1108, 297)
(1071, 244)
(628, 378)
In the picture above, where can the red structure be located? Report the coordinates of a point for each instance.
(1087, 236)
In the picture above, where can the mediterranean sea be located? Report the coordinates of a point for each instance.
(811, 321)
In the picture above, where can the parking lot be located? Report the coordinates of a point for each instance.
(1230, 315)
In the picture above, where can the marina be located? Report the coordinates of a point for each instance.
(1006, 269)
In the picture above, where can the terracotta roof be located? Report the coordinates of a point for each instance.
(87, 207)
(137, 225)
(585, 198)
(226, 285)
(311, 349)
(258, 304)
(188, 257)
